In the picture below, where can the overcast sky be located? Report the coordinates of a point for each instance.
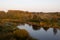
(31, 5)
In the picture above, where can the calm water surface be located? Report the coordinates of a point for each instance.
(42, 33)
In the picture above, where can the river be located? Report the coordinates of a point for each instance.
(41, 33)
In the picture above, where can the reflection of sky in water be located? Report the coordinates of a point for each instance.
(41, 34)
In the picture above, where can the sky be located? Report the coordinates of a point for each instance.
(31, 5)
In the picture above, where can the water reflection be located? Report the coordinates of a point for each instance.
(35, 27)
(45, 28)
(42, 33)
(55, 30)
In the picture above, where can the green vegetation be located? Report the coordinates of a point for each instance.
(9, 31)
(37, 18)
(22, 34)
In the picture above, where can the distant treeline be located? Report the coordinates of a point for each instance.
(18, 14)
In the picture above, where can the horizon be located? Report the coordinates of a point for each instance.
(30, 5)
(25, 11)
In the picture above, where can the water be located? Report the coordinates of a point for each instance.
(42, 33)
